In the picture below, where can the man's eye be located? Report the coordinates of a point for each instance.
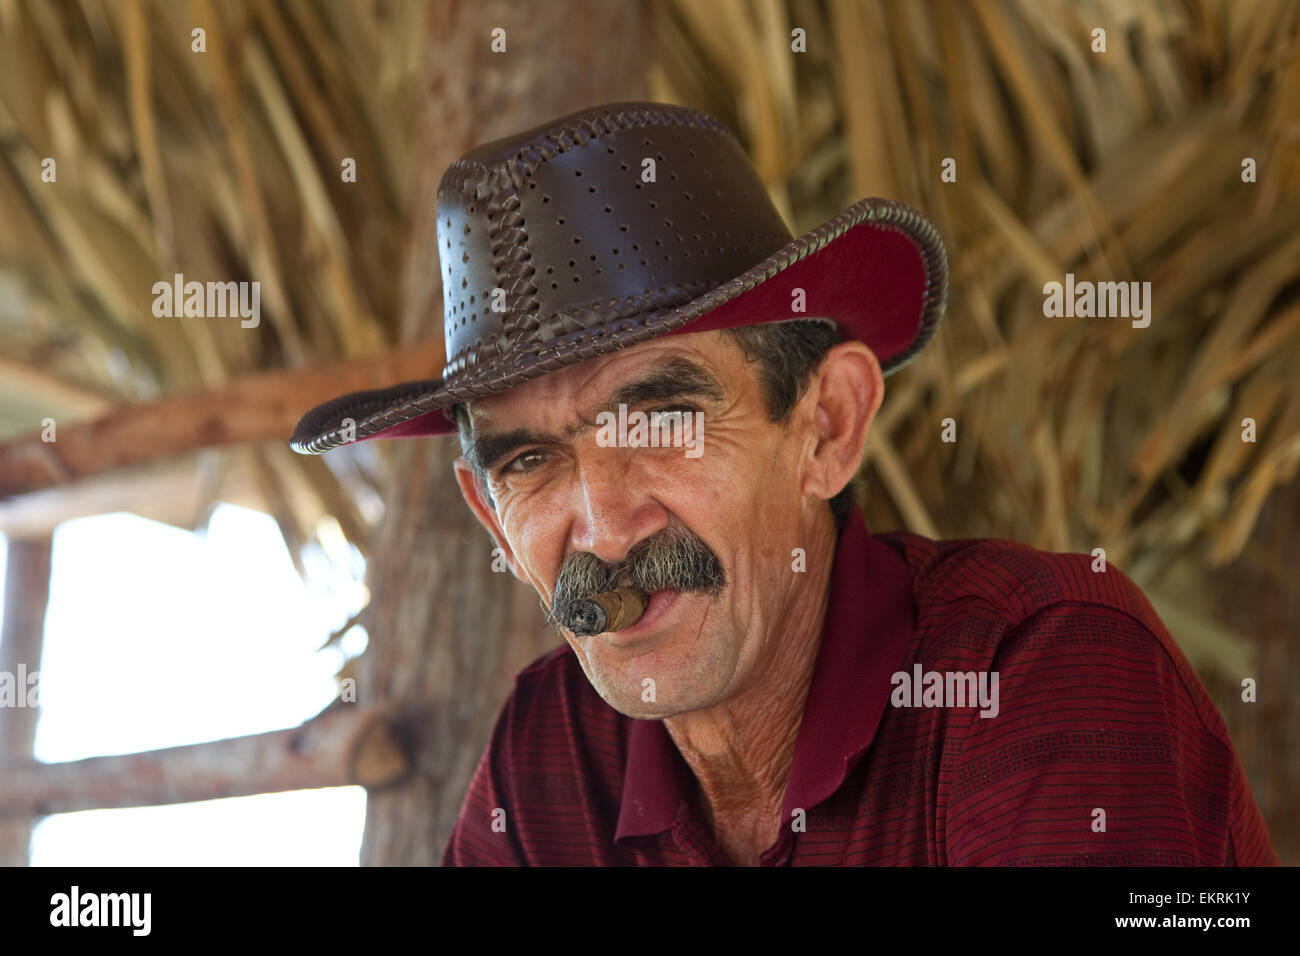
(528, 461)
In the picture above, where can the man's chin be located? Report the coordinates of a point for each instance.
(673, 668)
(648, 698)
(638, 709)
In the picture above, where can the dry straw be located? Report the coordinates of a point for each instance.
(1072, 434)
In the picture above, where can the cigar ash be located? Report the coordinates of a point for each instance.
(607, 611)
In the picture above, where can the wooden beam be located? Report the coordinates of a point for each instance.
(175, 492)
(258, 408)
(21, 383)
(27, 593)
(341, 746)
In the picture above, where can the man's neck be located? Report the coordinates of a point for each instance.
(741, 750)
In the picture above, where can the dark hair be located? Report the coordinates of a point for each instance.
(787, 353)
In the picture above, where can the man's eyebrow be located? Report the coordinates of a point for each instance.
(674, 378)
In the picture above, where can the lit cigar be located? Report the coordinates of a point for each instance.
(607, 611)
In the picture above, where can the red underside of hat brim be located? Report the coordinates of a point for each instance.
(871, 280)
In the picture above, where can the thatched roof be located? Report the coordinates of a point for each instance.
(1072, 435)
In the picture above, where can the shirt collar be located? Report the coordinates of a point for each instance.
(870, 619)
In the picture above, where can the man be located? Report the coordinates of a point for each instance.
(795, 690)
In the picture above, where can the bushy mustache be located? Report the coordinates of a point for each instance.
(672, 559)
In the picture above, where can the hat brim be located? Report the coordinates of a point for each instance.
(878, 269)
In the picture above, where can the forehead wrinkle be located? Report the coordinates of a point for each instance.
(671, 377)
(668, 378)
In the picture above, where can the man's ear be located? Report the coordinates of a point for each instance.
(486, 515)
(847, 390)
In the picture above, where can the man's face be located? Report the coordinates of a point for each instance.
(559, 493)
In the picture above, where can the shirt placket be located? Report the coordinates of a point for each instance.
(696, 841)
(780, 853)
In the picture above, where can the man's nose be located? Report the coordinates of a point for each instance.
(614, 510)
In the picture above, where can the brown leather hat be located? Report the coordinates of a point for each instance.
(622, 223)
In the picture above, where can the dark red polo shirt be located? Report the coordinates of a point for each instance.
(1105, 748)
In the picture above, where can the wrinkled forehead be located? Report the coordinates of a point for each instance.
(707, 363)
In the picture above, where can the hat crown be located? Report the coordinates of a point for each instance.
(614, 212)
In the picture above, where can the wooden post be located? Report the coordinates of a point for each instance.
(447, 635)
(261, 407)
(344, 745)
(27, 592)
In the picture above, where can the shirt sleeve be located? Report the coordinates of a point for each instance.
(1105, 750)
(482, 835)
